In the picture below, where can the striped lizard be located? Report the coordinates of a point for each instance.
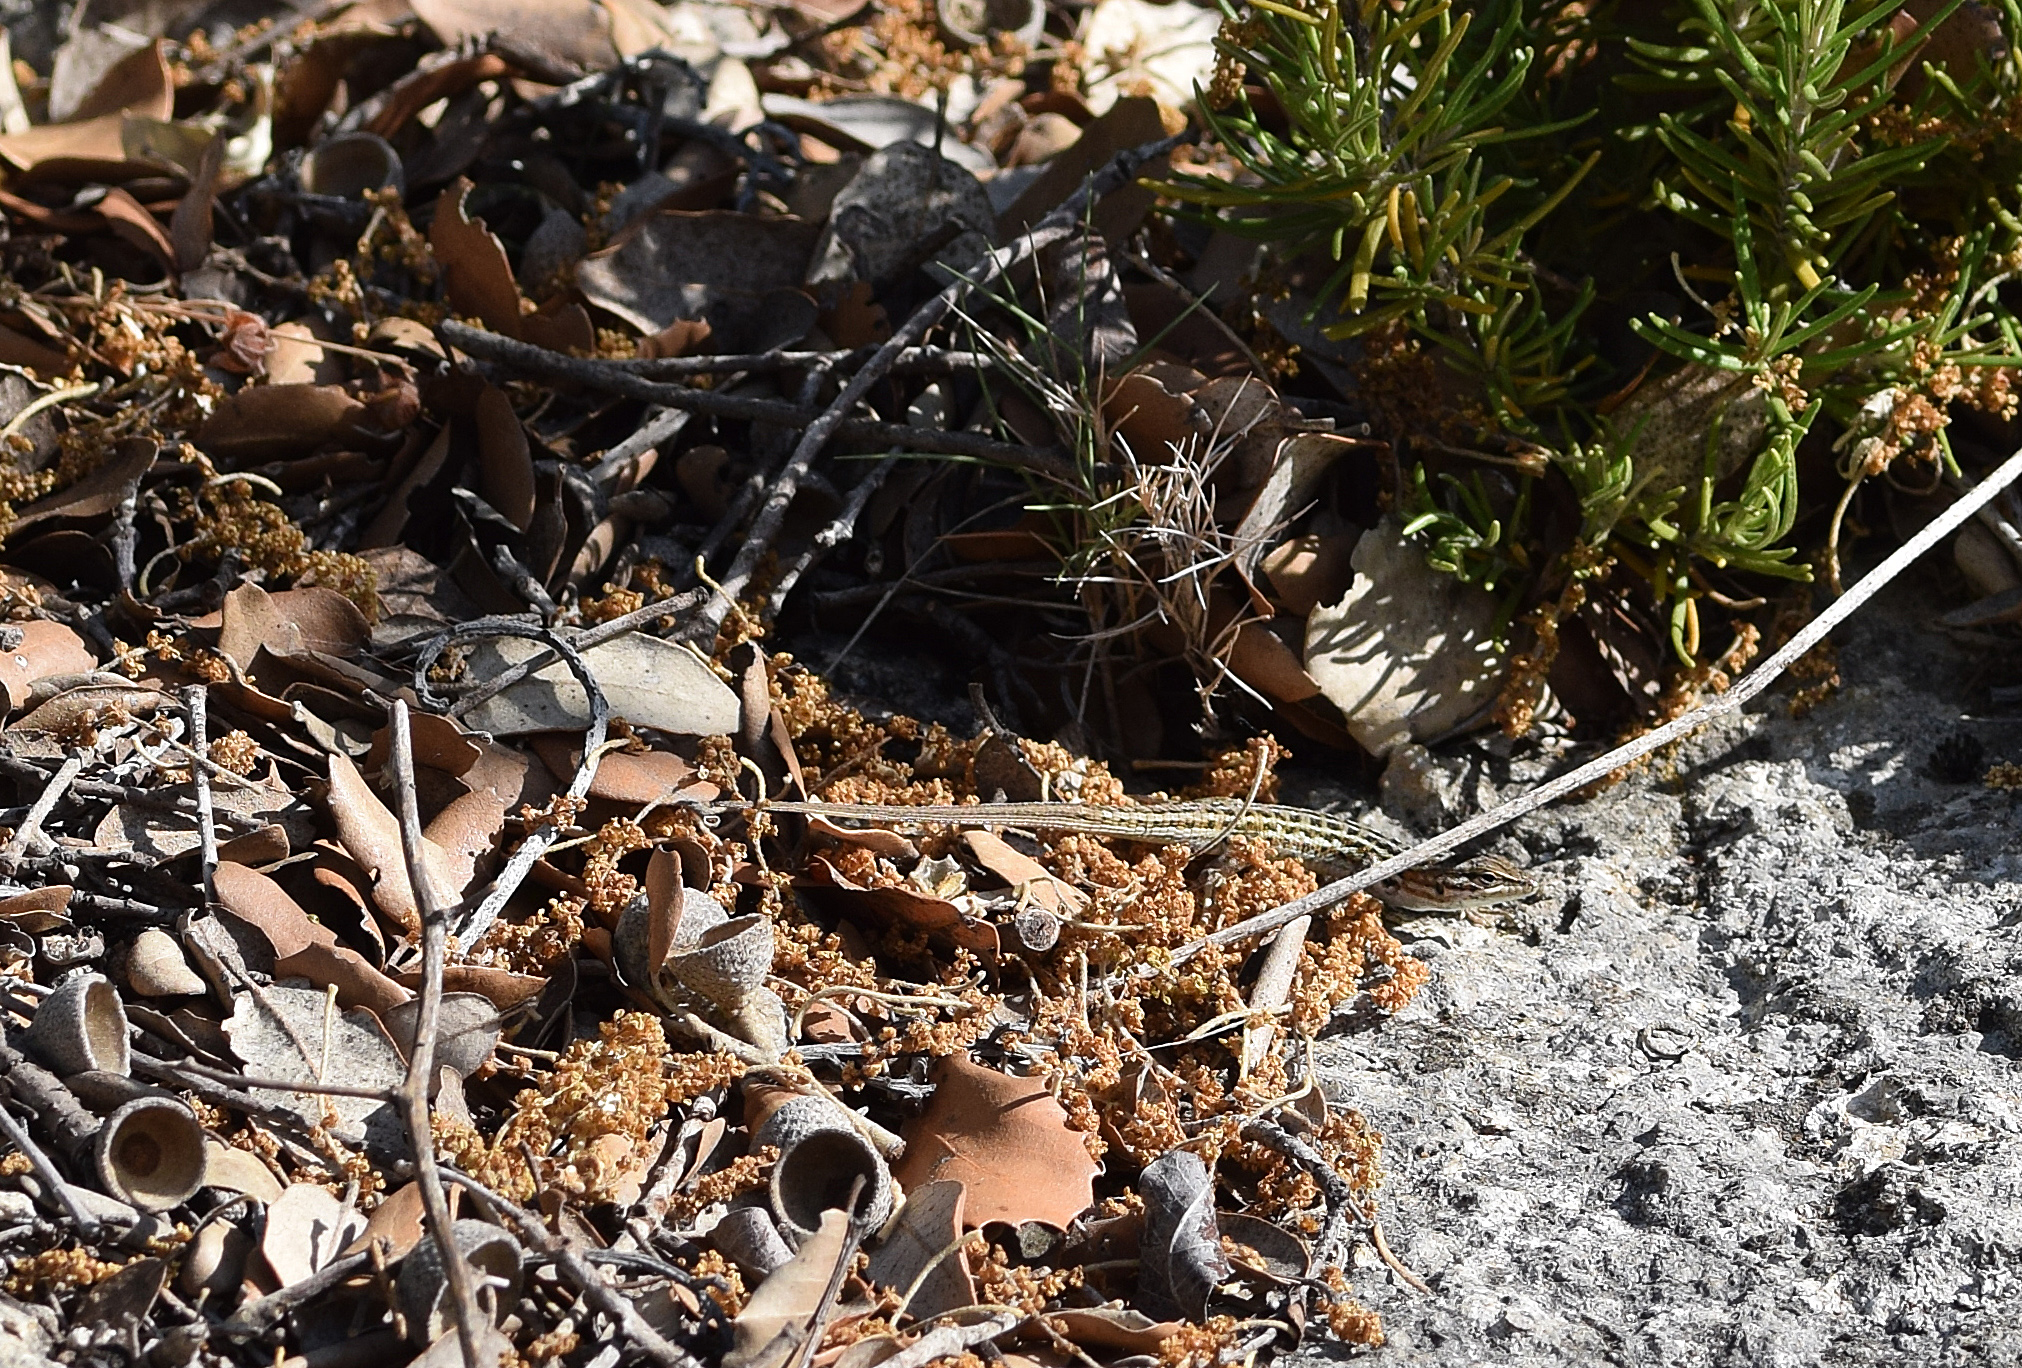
(1333, 846)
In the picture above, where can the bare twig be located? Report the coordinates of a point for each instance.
(549, 831)
(1061, 223)
(533, 1233)
(1343, 1208)
(561, 368)
(414, 1089)
(587, 640)
(200, 748)
(1758, 679)
(838, 531)
(86, 1223)
(45, 802)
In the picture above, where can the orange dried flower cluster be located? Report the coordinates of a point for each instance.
(536, 945)
(746, 1173)
(56, 1270)
(615, 1085)
(610, 888)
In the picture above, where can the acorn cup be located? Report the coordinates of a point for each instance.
(348, 165)
(748, 1238)
(423, 1288)
(150, 1154)
(728, 961)
(821, 1155)
(81, 1026)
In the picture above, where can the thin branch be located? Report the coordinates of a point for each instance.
(1758, 679)
(200, 750)
(1063, 222)
(533, 1233)
(414, 1089)
(560, 368)
(549, 831)
(45, 802)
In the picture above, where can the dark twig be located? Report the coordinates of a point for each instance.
(549, 831)
(256, 1318)
(560, 368)
(1758, 679)
(45, 802)
(86, 1223)
(533, 1233)
(587, 640)
(1063, 222)
(414, 1089)
(1342, 1205)
(839, 530)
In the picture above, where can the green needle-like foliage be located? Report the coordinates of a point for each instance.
(1817, 199)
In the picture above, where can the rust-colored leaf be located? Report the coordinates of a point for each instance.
(475, 271)
(265, 422)
(1006, 1140)
(47, 649)
(505, 461)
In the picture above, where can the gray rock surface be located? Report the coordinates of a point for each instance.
(1744, 1087)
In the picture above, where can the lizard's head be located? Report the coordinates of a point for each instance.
(1486, 881)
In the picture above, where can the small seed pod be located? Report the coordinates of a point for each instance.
(749, 1239)
(346, 166)
(423, 1288)
(150, 1154)
(80, 1026)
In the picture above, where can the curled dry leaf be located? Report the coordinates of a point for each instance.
(269, 422)
(790, 1295)
(1006, 1140)
(505, 462)
(299, 945)
(235, 1170)
(1409, 653)
(1180, 1258)
(568, 33)
(371, 834)
(475, 271)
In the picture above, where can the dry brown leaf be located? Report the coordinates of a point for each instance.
(475, 271)
(1118, 1328)
(1023, 872)
(371, 834)
(788, 1298)
(19, 350)
(190, 226)
(397, 1220)
(574, 33)
(634, 780)
(237, 1170)
(267, 422)
(97, 493)
(134, 225)
(1006, 1140)
(47, 649)
(905, 906)
(301, 946)
(505, 461)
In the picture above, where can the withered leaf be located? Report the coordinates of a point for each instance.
(1005, 1139)
(1180, 1260)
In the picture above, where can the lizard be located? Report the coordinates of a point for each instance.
(1332, 846)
